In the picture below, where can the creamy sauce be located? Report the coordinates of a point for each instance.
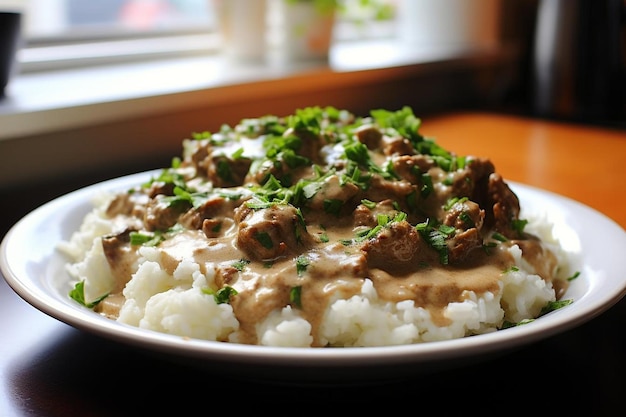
(348, 228)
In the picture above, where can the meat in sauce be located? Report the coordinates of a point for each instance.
(320, 201)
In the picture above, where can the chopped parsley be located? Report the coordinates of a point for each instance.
(427, 185)
(240, 264)
(222, 295)
(183, 196)
(548, 308)
(333, 206)
(154, 238)
(436, 236)
(519, 225)
(302, 263)
(146, 239)
(78, 294)
(295, 296)
(264, 239)
(574, 276)
(499, 237)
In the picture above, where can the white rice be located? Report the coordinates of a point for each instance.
(176, 304)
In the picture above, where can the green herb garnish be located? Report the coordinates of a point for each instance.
(221, 296)
(78, 294)
(295, 296)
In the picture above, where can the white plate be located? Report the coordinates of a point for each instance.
(35, 271)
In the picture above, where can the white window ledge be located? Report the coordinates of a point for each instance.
(44, 102)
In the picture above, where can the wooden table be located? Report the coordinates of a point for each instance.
(50, 369)
(584, 163)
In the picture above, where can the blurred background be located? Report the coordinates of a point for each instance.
(569, 53)
(107, 88)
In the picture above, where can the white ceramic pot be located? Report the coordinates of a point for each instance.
(243, 25)
(302, 32)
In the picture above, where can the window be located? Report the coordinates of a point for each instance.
(69, 33)
(62, 33)
(79, 19)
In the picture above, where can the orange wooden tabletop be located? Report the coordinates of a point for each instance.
(585, 163)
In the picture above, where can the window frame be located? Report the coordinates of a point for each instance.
(91, 47)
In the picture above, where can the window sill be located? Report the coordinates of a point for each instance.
(121, 108)
(43, 102)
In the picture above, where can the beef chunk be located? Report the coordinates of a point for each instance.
(161, 214)
(396, 249)
(467, 219)
(270, 233)
(505, 206)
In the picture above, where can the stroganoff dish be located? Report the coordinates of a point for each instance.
(318, 229)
